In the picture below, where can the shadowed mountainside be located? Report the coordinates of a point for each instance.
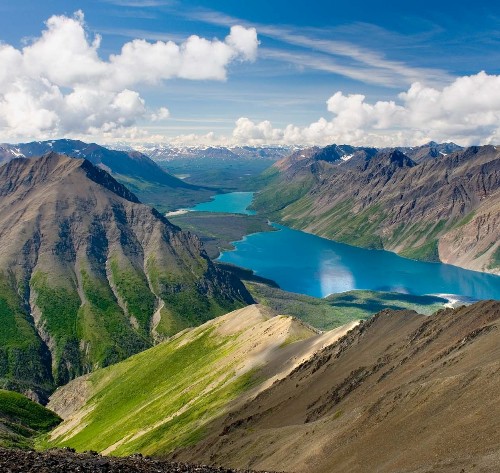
(21, 420)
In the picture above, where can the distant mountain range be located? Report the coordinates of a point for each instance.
(152, 184)
(164, 152)
(89, 275)
(127, 164)
(437, 202)
(429, 151)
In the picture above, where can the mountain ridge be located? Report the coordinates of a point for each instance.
(153, 185)
(90, 275)
(196, 376)
(421, 210)
(401, 392)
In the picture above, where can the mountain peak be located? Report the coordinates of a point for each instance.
(394, 158)
(91, 275)
(400, 159)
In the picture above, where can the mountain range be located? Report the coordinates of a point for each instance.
(401, 392)
(142, 345)
(167, 152)
(436, 206)
(152, 184)
(89, 275)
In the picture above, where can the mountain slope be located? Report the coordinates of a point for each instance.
(22, 419)
(446, 208)
(400, 393)
(136, 170)
(164, 398)
(89, 276)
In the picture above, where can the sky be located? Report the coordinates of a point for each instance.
(250, 72)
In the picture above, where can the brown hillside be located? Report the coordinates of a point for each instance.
(89, 275)
(400, 393)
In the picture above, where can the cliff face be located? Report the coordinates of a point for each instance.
(400, 393)
(444, 208)
(89, 276)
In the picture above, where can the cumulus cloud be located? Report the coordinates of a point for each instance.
(161, 114)
(466, 111)
(59, 85)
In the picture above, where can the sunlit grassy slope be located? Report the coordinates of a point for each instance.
(163, 398)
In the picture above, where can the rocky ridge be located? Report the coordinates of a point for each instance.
(67, 461)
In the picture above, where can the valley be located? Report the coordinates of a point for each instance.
(200, 361)
(249, 237)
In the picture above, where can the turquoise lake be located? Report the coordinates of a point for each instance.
(307, 264)
(234, 202)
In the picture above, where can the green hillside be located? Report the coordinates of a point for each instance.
(162, 399)
(339, 309)
(21, 420)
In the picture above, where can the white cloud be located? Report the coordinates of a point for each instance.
(335, 54)
(161, 114)
(58, 84)
(466, 111)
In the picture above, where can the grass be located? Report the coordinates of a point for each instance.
(218, 230)
(495, 259)
(426, 252)
(59, 307)
(187, 302)
(24, 361)
(339, 309)
(340, 223)
(104, 327)
(21, 420)
(278, 195)
(169, 393)
(133, 288)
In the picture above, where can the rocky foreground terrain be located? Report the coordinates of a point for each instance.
(64, 460)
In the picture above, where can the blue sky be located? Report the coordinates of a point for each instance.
(308, 52)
